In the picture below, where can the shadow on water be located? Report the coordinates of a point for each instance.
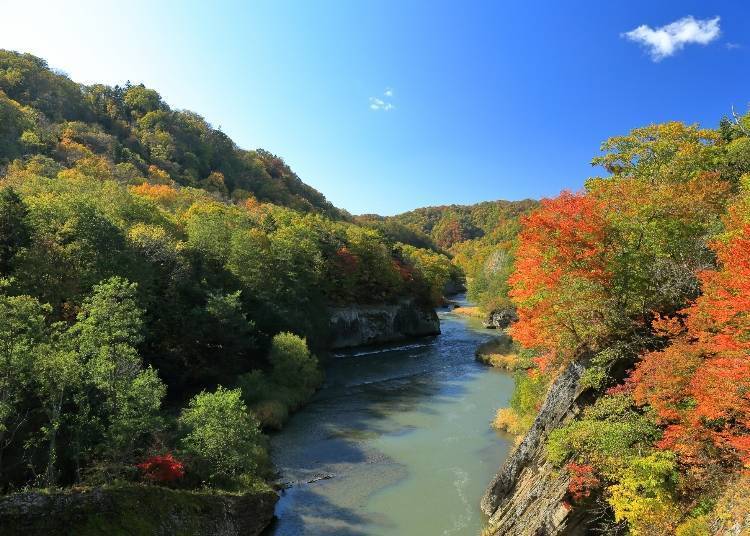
(315, 508)
(345, 447)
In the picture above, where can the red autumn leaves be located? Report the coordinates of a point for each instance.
(561, 245)
(700, 384)
(162, 468)
(583, 481)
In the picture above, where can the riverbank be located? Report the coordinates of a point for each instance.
(469, 311)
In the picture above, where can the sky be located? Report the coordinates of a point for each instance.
(391, 105)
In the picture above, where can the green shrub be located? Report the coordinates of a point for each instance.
(271, 413)
(608, 435)
(292, 380)
(222, 441)
(528, 395)
(293, 365)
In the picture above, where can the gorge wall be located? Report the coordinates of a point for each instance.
(526, 497)
(362, 325)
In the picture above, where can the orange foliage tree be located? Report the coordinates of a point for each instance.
(561, 273)
(699, 386)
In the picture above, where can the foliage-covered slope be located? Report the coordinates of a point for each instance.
(481, 239)
(453, 224)
(647, 269)
(145, 261)
(134, 132)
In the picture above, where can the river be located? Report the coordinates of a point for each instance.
(397, 442)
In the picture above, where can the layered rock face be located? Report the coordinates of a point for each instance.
(137, 511)
(526, 496)
(375, 324)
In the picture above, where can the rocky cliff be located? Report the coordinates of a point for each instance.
(135, 511)
(526, 496)
(375, 324)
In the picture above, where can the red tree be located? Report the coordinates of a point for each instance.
(561, 247)
(700, 385)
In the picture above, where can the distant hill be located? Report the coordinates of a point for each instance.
(481, 239)
(448, 225)
(44, 112)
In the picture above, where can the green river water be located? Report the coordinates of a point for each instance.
(397, 442)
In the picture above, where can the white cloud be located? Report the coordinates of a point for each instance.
(380, 104)
(667, 40)
(733, 46)
(377, 103)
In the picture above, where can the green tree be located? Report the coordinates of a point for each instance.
(221, 437)
(22, 329)
(293, 365)
(14, 229)
(106, 335)
(58, 376)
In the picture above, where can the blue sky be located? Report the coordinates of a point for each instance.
(488, 100)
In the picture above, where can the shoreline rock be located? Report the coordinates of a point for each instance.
(526, 497)
(500, 318)
(136, 510)
(364, 325)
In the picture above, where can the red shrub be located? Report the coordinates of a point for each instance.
(582, 482)
(164, 468)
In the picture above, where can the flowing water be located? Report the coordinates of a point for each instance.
(397, 442)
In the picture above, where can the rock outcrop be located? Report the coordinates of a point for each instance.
(526, 497)
(501, 318)
(135, 510)
(362, 325)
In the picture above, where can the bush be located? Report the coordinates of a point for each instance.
(528, 394)
(608, 435)
(271, 413)
(293, 365)
(221, 439)
(292, 380)
(644, 494)
(162, 469)
(506, 420)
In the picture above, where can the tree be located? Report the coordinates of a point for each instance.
(106, 336)
(559, 285)
(292, 364)
(220, 437)
(141, 100)
(58, 376)
(14, 229)
(22, 329)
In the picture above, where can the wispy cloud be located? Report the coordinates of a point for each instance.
(733, 46)
(667, 40)
(378, 103)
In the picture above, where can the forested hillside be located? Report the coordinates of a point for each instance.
(480, 238)
(643, 279)
(156, 281)
(137, 133)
